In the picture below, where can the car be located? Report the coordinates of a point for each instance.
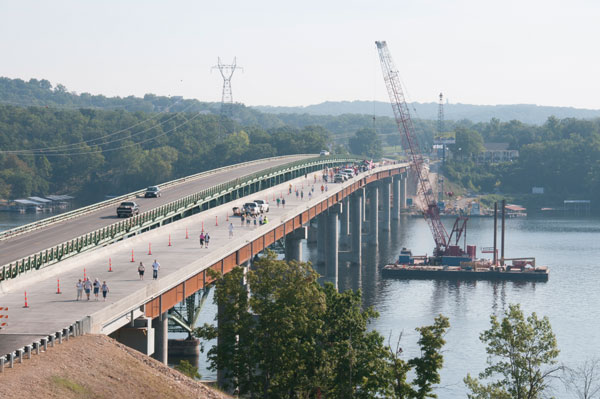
(339, 178)
(152, 192)
(324, 153)
(263, 205)
(252, 208)
(127, 209)
(349, 172)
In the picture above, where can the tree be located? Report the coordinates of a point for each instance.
(426, 366)
(469, 143)
(522, 352)
(290, 337)
(583, 380)
(366, 142)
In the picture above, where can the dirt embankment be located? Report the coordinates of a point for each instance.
(98, 367)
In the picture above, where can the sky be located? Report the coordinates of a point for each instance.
(307, 52)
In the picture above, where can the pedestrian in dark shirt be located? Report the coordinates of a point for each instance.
(104, 290)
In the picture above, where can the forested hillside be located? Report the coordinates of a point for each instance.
(527, 113)
(91, 153)
(563, 156)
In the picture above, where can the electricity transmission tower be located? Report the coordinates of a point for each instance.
(227, 71)
(440, 121)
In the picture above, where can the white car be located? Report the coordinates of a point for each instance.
(263, 205)
(349, 172)
(324, 153)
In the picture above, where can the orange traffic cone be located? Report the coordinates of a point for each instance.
(132, 259)
(216, 220)
(227, 217)
(84, 275)
(203, 227)
(186, 234)
(169, 239)
(149, 248)
(109, 265)
(58, 286)
(26, 305)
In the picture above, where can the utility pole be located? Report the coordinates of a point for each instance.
(227, 71)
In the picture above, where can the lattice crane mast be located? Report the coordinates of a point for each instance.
(405, 126)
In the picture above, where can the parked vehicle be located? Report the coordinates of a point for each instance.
(252, 208)
(152, 192)
(339, 178)
(128, 209)
(349, 172)
(263, 205)
(324, 153)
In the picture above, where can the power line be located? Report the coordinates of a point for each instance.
(72, 145)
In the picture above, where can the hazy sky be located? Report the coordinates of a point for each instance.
(305, 52)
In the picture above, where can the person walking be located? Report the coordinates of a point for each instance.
(283, 203)
(260, 220)
(202, 240)
(302, 194)
(79, 286)
(297, 193)
(230, 228)
(96, 288)
(206, 239)
(104, 290)
(243, 218)
(141, 270)
(278, 201)
(87, 286)
(155, 267)
(309, 195)
(322, 188)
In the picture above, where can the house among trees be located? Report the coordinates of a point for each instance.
(497, 152)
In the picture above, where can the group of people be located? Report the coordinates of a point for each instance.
(155, 268)
(87, 286)
(204, 239)
(260, 220)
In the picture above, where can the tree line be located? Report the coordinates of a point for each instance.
(91, 153)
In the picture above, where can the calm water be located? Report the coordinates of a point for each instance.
(570, 298)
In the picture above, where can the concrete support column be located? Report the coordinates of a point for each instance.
(396, 195)
(364, 205)
(332, 243)
(161, 331)
(293, 244)
(321, 237)
(385, 204)
(403, 190)
(374, 214)
(312, 233)
(345, 224)
(356, 219)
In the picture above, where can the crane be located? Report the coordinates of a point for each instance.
(429, 205)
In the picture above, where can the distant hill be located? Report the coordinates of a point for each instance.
(527, 113)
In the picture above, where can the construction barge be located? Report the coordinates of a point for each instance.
(463, 268)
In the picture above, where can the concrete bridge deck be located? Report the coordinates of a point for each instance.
(183, 264)
(13, 248)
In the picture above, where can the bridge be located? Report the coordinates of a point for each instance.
(90, 242)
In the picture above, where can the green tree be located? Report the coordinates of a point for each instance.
(522, 353)
(188, 369)
(426, 367)
(469, 143)
(366, 142)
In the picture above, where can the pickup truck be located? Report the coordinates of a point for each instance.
(127, 209)
(262, 205)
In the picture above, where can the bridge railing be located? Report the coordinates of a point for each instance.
(136, 223)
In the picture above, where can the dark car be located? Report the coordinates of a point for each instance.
(152, 192)
(128, 209)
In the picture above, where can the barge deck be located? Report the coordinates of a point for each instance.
(457, 273)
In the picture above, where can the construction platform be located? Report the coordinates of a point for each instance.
(457, 273)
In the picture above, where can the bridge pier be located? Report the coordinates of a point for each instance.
(345, 224)
(396, 195)
(321, 238)
(403, 181)
(356, 219)
(333, 243)
(385, 204)
(293, 244)
(373, 214)
(161, 330)
(138, 335)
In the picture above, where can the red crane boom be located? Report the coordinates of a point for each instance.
(405, 126)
